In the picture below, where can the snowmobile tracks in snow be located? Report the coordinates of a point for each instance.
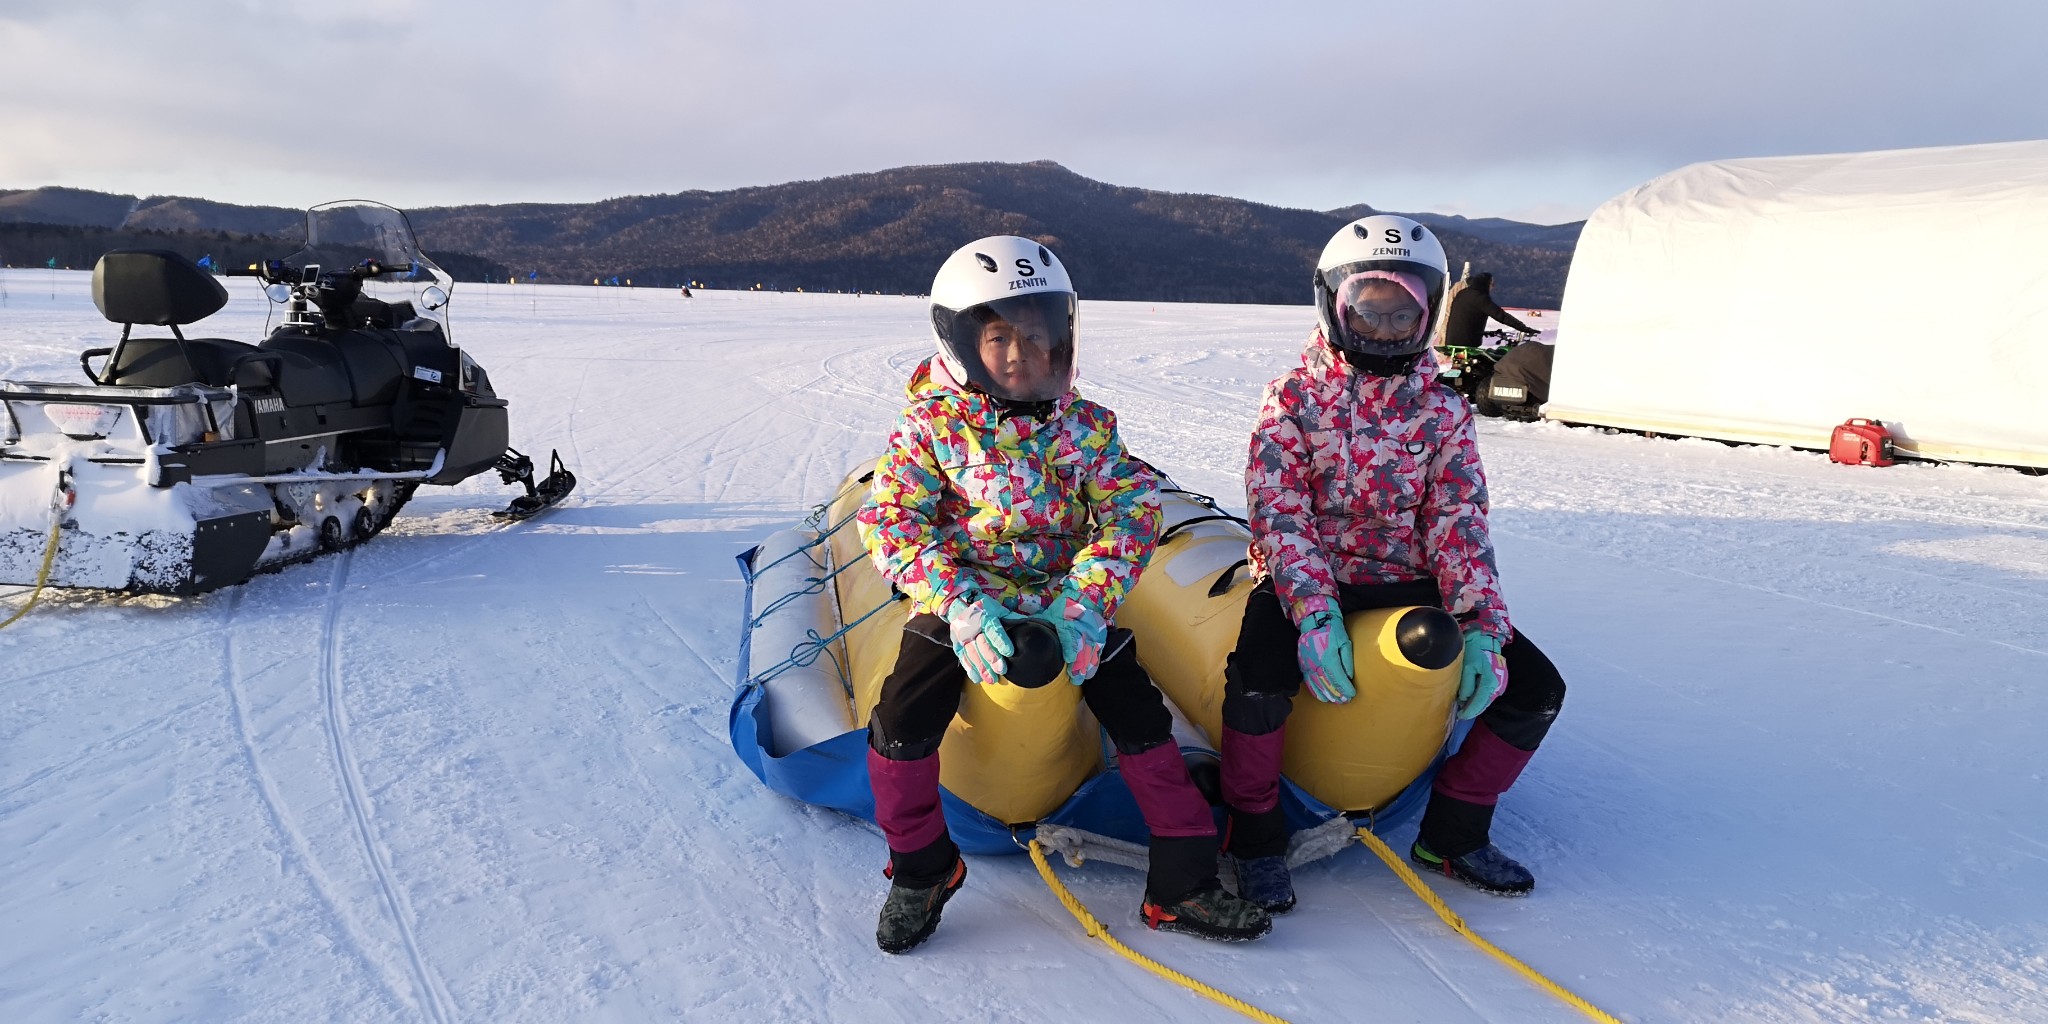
(275, 810)
(432, 994)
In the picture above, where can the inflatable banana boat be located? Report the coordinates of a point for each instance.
(822, 628)
(821, 634)
(1372, 757)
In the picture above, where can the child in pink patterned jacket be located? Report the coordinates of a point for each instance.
(1365, 491)
(1005, 496)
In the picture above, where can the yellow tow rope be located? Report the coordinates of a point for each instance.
(1436, 903)
(43, 576)
(1096, 929)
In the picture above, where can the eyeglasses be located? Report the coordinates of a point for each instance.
(1403, 319)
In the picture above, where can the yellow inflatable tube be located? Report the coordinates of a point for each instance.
(1013, 753)
(1357, 756)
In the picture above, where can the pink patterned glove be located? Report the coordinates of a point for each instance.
(1324, 652)
(979, 641)
(1082, 634)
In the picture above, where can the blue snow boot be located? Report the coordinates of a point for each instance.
(1266, 882)
(1486, 869)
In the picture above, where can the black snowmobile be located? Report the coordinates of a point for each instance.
(190, 464)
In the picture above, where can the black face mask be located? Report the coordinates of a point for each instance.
(1381, 366)
(1036, 410)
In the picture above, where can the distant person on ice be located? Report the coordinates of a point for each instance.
(1004, 496)
(1471, 306)
(1365, 491)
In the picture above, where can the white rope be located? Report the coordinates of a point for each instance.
(1324, 840)
(1079, 847)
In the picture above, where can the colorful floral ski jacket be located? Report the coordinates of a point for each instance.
(1014, 506)
(1365, 479)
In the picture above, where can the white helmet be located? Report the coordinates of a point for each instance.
(1009, 293)
(1386, 248)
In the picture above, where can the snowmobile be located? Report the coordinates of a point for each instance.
(1519, 384)
(190, 463)
(1469, 369)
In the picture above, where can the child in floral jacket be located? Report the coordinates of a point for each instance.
(1004, 496)
(1365, 491)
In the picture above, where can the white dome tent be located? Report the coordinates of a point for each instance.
(1768, 300)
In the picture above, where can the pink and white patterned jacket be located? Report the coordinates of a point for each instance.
(1365, 479)
(1015, 508)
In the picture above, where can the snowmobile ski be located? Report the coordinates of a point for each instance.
(516, 468)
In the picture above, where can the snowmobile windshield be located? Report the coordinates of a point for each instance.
(1019, 349)
(1380, 307)
(343, 235)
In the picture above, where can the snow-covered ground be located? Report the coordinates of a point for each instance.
(480, 773)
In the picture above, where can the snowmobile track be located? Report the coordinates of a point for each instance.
(297, 851)
(433, 996)
(1375, 904)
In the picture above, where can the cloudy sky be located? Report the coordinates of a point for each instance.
(1537, 111)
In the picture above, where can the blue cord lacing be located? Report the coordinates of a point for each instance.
(807, 650)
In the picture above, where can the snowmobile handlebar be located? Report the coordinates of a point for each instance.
(276, 272)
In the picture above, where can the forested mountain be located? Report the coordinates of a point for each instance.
(885, 231)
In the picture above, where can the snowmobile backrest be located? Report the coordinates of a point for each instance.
(154, 286)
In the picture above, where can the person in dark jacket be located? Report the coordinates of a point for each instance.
(1471, 305)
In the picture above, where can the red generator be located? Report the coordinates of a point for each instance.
(1862, 442)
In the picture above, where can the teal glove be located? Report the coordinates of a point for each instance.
(979, 641)
(1482, 676)
(1082, 632)
(1324, 651)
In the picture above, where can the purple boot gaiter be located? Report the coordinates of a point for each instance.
(1483, 768)
(907, 801)
(1166, 795)
(1251, 769)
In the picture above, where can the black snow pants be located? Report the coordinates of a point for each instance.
(922, 694)
(1263, 674)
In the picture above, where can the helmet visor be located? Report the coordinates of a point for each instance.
(1019, 349)
(1380, 307)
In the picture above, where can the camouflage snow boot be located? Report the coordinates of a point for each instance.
(910, 914)
(1211, 913)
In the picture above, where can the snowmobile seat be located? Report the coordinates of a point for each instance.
(154, 286)
(163, 363)
(1521, 382)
